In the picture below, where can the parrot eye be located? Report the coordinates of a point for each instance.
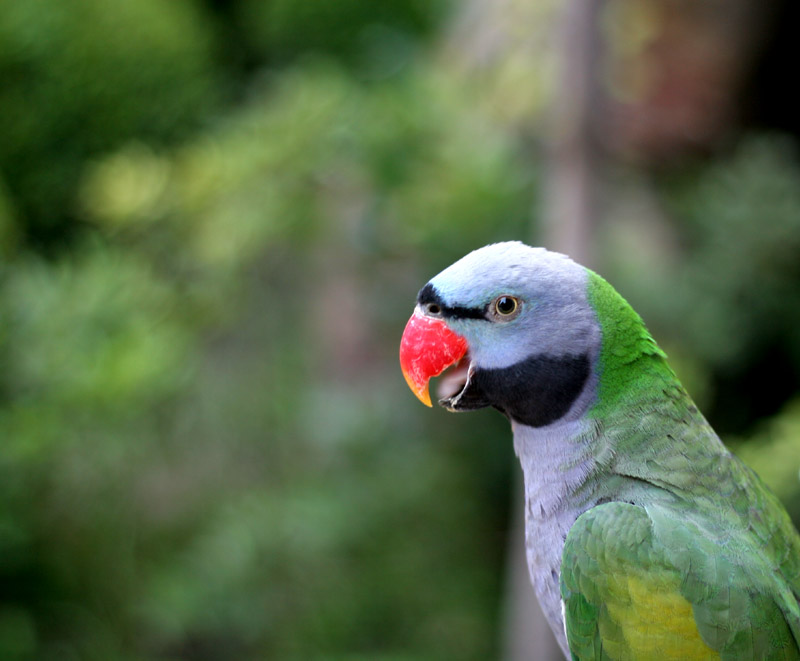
(433, 308)
(505, 308)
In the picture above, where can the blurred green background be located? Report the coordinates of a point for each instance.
(214, 219)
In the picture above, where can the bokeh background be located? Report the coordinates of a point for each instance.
(214, 218)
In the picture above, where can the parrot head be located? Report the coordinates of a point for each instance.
(516, 327)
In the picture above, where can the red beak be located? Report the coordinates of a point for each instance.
(427, 349)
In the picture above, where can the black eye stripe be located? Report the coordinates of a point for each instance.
(429, 296)
(463, 313)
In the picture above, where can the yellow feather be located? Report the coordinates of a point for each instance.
(655, 623)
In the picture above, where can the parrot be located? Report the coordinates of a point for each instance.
(645, 537)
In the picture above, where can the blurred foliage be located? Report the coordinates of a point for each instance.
(373, 38)
(190, 468)
(83, 76)
(206, 260)
(729, 287)
(743, 211)
(773, 453)
(406, 167)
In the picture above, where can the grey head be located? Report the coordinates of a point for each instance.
(533, 336)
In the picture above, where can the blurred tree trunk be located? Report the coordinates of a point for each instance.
(571, 202)
(568, 221)
(502, 41)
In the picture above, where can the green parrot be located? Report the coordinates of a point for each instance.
(645, 537)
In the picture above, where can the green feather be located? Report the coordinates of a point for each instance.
(625, 340)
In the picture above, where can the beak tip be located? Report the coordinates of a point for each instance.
(425, 398)
(419, 389)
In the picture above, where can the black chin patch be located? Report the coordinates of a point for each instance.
(535, 392)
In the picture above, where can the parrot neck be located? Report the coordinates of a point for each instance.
(648, 428)
(557, 464)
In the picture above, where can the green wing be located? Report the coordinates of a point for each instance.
(654, 583)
